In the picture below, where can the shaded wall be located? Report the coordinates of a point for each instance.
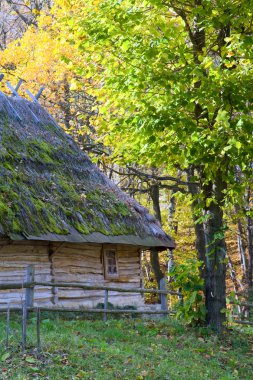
(67, 262)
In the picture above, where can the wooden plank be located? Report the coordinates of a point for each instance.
(127, 260)
(20, 270)
(29, 292)
(18, 117)
(39, 93)
(76, 256)
(91, 287)
(164, 300)
(105, 304)
(69, 252)
(76, 278)
(77, 263)
(82, 271)
(29, 249)
(79, 247)
(29, 243)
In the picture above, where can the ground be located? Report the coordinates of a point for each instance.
(127, 349)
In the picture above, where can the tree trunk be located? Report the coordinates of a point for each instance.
(249, 222)
(250, 267)
(200, 242)
(154, 193)
(215, 273)
(242, 246)
(156, 266)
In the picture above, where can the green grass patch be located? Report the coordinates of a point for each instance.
(125, 349)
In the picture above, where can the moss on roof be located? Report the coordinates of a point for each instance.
(48, 185)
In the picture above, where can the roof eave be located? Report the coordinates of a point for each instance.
(97, 237)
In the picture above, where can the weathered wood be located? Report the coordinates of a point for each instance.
(88, 250)
(26, 243)
(29, 292)
(87, 287)
(39, 93)
(85, 310)
(77, 262)
(105, 304)
(11, 106)
(19, 84)
(80, 246)
(70, 264)
(164, 300)
(38, 329)
(14, 258)
(24, 324)
(31, 96)
(7, 326)
(13, 90)
(89, 269)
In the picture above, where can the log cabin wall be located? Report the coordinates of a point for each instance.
(68, 262)
(84, 263)
(14, 259)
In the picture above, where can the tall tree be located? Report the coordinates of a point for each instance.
(175, 78)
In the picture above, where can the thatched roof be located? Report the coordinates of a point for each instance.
(50, 190)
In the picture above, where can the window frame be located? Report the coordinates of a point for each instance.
(110, 276)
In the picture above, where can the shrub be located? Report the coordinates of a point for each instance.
(186, 278)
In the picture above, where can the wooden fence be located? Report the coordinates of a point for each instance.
(28, 304)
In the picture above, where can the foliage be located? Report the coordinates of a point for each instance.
(152, 81)
(64, 95)
(175, 82)
(186, 277)
(124, 349)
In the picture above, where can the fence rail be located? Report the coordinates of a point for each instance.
(28, 304)
(26, 285)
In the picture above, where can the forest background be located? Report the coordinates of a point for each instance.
(159, 94)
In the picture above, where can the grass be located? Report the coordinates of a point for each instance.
(127, 349)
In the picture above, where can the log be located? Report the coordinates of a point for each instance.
(82, 286)
(99, 311)
(29, 292)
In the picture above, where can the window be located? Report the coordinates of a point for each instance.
(110, 263)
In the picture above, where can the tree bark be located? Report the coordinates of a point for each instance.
(200, 242)
(154, 193)
(242, 246)
(250, 267)
(215, 273)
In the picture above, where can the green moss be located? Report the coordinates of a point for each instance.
(16, 227)
(40, 151)
(8, 166)
(68, 191)
(108, 203)
(40, 192)
(82, 228)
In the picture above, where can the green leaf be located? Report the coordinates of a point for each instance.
(238, 145)
(125, 46)
(30, 359)
(5, 356)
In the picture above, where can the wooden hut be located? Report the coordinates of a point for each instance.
(60, 213)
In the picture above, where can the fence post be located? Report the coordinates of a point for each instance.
(105, 304)
(38, 329)
(29, 292)
(24, 320)
(164, 298)
(7, 326)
